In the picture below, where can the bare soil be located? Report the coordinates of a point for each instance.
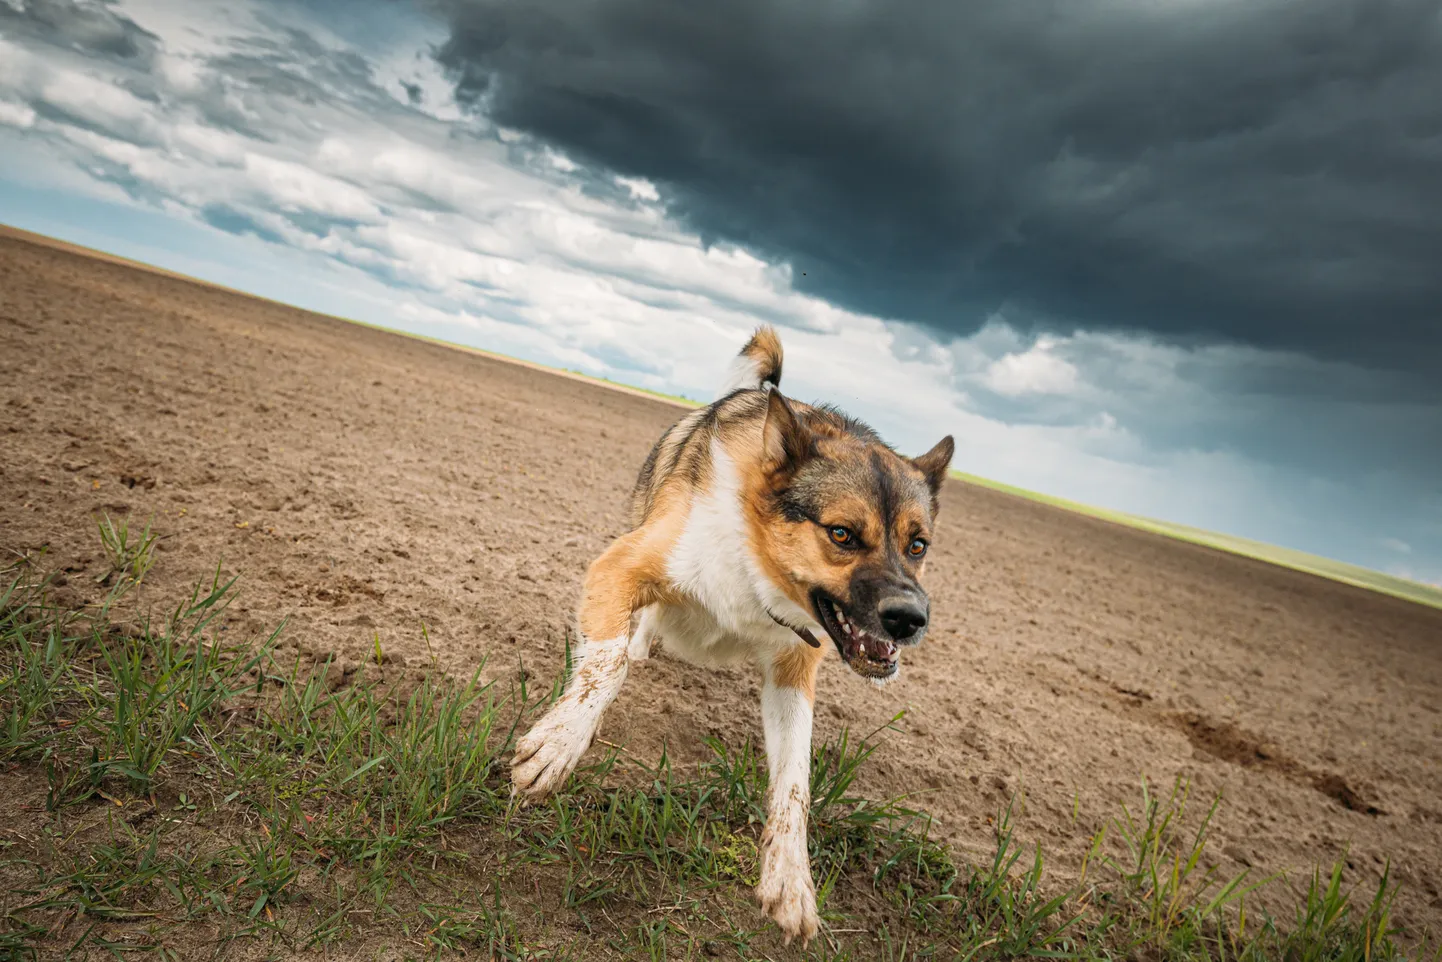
(364, 484)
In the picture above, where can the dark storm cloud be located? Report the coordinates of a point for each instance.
(1266, 171)
(85, 26)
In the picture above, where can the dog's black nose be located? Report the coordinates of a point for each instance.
(902, 618)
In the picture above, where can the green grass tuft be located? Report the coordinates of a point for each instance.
(129, 558)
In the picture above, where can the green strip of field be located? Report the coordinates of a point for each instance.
(1260, 551)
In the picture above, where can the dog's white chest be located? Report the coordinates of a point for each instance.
(710, 561)
(725, 617)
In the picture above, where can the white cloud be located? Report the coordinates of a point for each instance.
(1034, 371)
(16, 115)
(101, 105)
(204, 143)
(1397, 545)
(15, 64)
(560, 161)
(298, 188)
(183, 75)
(640, 188)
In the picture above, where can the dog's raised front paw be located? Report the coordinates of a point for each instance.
(788, 896)
(547, 754)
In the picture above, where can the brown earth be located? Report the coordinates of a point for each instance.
(363, 483)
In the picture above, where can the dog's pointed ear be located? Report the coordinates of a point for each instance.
(934, 463)
(785, 441)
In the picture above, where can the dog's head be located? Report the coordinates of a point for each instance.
(845, 525)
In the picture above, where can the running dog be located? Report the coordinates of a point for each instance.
(757, 524)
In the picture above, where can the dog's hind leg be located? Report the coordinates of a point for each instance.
(644, 634)
(622, 580)
(786, 890)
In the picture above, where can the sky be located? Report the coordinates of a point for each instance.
(1172, 257)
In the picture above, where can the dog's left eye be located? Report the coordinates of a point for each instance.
(841, 535)
(917, 548)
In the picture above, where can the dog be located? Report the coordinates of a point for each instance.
(758, 524)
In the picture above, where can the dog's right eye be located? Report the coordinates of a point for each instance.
(841, 535)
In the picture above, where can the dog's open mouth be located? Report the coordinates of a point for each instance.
(868, 654)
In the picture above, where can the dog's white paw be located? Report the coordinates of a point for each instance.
(786, 892)
(548, 753)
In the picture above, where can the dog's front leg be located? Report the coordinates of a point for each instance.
(617, 583)
(786, 890)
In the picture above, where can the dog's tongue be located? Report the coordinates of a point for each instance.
(869, 648)
(878, 649)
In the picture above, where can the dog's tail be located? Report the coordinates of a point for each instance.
(758, 366)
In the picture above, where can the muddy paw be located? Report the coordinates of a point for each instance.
(545, 756)
(789, 898)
